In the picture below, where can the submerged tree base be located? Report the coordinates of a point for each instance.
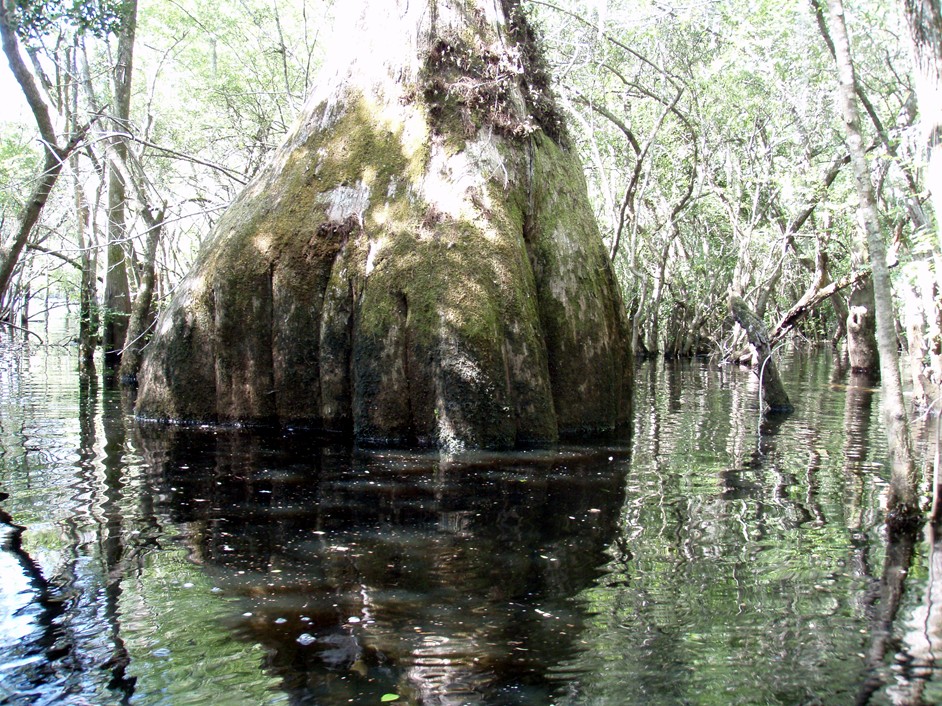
(773, 390)
(419, 264)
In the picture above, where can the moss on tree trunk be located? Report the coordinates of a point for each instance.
(419, 262)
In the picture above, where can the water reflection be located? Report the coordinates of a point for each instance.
(913, 677)
(375, 573)
(148, 565)
(738, 556)
(29, 610)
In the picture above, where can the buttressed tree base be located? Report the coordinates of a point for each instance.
(418, 264)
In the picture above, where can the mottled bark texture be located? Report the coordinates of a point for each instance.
(419, 263)
(773, 391)
(903, 511)
(117, 294)
(862, 330)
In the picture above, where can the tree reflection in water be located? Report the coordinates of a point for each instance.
(393, 572)
(172, 565)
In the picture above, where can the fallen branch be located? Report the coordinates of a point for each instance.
(24, 330)
(807, 303)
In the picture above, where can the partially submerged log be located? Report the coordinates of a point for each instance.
(773, 391)
(418, 264)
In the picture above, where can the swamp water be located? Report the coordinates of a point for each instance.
(707, 560)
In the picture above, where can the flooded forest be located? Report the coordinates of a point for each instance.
(470, 352)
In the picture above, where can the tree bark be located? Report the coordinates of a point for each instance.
(54, 155)
(903, 504)
(773, 391)
(862, 348)
(117, 295)
(89, 322)
(142, 313)
(924, 18)
(818, 292)
(419, 263)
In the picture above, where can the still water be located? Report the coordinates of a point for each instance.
(707, 559)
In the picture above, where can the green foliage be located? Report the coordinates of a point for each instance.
(709, 129)
(37, 18)
(19, 164)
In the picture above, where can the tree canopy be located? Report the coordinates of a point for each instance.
(709, 132)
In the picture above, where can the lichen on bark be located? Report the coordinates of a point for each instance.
(407, 269)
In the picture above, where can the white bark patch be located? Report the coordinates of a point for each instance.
(451, 177)
(345, 201)
(375, 247)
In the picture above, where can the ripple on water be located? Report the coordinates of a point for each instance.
(183, 564)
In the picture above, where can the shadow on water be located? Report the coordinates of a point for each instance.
(363, 574)
(37, 610)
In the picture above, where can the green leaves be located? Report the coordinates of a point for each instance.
(19, 162)
(37, 18)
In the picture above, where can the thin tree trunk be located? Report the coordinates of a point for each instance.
(925, 28)
(141, 313)
(903, 506)
(924, 18)
(10, 253)
(88, 262)
(653, 336)
(916, 213)
(89, 322)
(117, 290)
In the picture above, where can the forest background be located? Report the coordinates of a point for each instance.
(710, 132)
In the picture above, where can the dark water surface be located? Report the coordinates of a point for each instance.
(706, 560)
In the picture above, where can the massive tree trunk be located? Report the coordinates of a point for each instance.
(419, 262)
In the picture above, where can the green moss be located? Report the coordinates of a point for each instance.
(455, 321)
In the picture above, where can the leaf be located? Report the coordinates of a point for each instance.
(389, 697)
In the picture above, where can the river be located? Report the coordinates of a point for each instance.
(710, 557)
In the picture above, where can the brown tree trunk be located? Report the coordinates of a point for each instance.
(87, 245)
(904, 510)
(862, 330)
(142, 312)
(89, 323)
(117, 296)
(773, 391)
(10, 252)
(419, 263)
